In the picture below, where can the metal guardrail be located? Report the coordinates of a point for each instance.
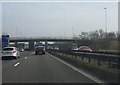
(111, 59)
(107, 52)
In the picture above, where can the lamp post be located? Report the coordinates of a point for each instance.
(16, 31)
(106, 21)
(73, 32)
(106, 26)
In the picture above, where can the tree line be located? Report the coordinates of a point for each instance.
(98, 40)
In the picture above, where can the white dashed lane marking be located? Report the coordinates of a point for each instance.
(16, 64)
(25, 57)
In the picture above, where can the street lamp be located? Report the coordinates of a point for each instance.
(106, 20)
(73, 32)
(16, 31)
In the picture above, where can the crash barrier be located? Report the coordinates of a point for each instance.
(112, 60)
(107, 52)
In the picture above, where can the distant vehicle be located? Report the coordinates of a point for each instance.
(40, 50)
(84, 49)
(56, 48)
(49, 47)
(10, 52)
(21, 46)
(21, 49)
(74, 47)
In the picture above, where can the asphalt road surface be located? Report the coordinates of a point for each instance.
(31, 68)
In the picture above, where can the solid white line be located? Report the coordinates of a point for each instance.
(79, 70)
(17, 64)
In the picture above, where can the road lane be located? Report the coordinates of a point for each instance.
(9, 63)
(43, 69)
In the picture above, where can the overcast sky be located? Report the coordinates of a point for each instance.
(57, 18)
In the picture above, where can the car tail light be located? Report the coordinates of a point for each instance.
(14, 51)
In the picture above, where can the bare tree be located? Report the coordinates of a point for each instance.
(102, 34)
(111, 35)
(94, 35)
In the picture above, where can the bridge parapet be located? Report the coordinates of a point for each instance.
(16, 38)
(19, 39)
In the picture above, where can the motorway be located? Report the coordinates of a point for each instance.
(31, 68)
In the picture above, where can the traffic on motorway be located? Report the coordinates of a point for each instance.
(59, 42)
(42, 67)
(31, 68)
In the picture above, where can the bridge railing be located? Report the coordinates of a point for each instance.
(112, 60)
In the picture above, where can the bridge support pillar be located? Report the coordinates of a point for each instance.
(16, 44)
(46, 44)
(31, 45)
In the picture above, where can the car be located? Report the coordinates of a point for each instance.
(40, 50)
(10, 52)
(21, 49)
(74, 48)
(84, 49)
(56, 48)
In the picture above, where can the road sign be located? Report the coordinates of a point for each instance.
(5, 41)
